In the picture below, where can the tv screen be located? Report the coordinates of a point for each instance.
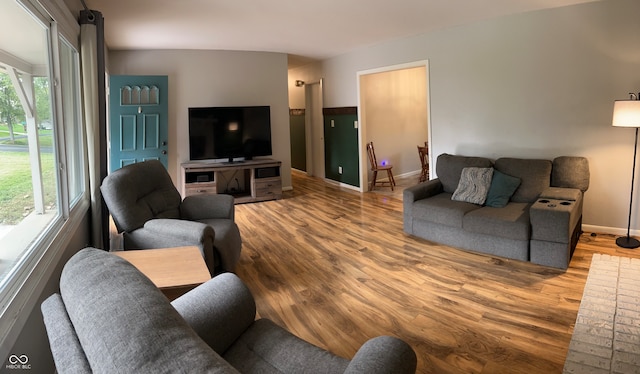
(229, 132)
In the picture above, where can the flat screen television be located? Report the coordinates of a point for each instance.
(229, 133)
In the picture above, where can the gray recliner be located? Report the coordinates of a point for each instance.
(148, 209)
(110, 318)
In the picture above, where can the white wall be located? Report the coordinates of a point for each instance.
(215, 78)
(310, 73)
(535, 85)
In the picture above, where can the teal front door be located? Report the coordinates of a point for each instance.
(138, 110)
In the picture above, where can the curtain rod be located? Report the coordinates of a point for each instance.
(91, 17)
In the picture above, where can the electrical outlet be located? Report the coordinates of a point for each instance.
(339, 169)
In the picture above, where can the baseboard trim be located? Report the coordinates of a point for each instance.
(609, 230)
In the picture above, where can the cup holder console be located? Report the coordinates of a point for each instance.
(551, 204)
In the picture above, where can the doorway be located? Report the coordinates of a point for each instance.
(393, 112)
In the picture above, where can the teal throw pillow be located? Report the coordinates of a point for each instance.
(503, 186)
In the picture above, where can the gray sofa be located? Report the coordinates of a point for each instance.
(538, 220)
(110, 318)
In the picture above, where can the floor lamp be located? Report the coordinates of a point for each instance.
(626, 113)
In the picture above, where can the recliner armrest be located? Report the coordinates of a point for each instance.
(201, 207)
(383, 354)
(177, 231)
(65, 346)
(166, 232)
(219, 310)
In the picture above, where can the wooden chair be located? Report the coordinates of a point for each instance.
(375, 167)
(423, 152)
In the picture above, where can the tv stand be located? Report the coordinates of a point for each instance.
(248, 181)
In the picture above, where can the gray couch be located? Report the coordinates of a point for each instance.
(148, 210)
(110, 318)
(539, 222)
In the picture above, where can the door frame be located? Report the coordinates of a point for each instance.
(363, 158)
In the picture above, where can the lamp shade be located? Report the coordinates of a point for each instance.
(626, 113)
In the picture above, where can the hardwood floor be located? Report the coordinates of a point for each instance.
(335, 268)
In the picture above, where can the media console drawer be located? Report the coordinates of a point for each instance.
(269, 187)
(200, 188)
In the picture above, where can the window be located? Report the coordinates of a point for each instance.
(73, 145)
(41, 139)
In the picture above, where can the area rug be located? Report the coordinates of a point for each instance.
(606, 337)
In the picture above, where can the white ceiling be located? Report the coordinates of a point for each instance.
(305, 29)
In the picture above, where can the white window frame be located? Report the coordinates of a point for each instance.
(20, 294)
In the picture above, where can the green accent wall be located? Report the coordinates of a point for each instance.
(298, 135)
(341, 145)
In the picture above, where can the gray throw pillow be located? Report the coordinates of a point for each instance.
(474, 185)
(503, 186)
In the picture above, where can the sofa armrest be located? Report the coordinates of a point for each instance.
(421, 191)
(201, 207)
(555, 214)
(414, 193)
(219, 310)
(383, 354)
(561, 193)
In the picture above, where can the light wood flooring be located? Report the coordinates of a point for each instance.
(334, 267)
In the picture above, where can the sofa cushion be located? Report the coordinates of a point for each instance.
(511, 222)
(474, 185)
(449, 168)
(535, 176)
(503, 186)
(125, 324)
(441, 209)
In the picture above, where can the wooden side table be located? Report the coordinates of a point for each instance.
(173, 270)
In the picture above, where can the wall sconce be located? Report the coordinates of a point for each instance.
(626, 113)
(299, 83)
(233, 126)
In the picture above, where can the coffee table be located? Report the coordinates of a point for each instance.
(173, 270)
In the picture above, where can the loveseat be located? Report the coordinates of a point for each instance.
(523, 209)
(110, 318)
